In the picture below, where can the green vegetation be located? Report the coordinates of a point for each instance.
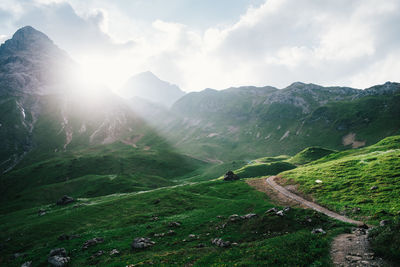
(362, 183)
(120, 218)
(263, 169)
(310, 154)
(96, 171)
(385, 240)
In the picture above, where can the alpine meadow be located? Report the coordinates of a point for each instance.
(199, 133)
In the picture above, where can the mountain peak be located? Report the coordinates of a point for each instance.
(27, 38)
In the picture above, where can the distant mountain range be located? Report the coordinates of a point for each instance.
(147, 86)
(248, 122)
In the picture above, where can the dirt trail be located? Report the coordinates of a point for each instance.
(347, 249)
(270, 181)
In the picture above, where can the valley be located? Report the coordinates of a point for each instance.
(90, 176)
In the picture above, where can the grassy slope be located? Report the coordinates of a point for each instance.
(92, 172)
(347, 178)
(264, 240)
(310, 154)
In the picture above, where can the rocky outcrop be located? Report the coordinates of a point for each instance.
(230, 176)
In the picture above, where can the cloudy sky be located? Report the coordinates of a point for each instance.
(221, 43)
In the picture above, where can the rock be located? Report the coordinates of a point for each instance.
(174, 224)
(58, 252)
(234, 218)
(159, 235)
(58, 261)
(92, 242)
(280, 213)
(272, 210)
(360, 231)
(318, 231)
(373, 187)
(27, 264)
(356, 210)
(41, 212)
(384, 222)
(58, 257)
(230, 176)
(220, 217)
(221, 243)
(235, 244)
(141, 243)
(369, 256)
(201, 245)
(114, 252)
(286, 209)
(171, 232)
(353, 258)
(97, 254)
(67, 237)
(65, 200)
(249, 216)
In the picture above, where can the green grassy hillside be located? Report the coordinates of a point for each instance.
(362, 183)
(263, 240)
(309, 154)
(246, 123)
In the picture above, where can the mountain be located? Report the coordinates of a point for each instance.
(149, 87)
(249, 122)
(57, 131)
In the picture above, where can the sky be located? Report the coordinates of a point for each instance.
(199, 44)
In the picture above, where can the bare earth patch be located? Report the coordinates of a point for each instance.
(350, 139)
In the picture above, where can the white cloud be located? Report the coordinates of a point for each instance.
(341, 42)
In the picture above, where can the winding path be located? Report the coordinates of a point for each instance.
(271, 182)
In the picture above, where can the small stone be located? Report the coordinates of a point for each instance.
(171, 232)
(272, 210)
(280, 213)
(65, 200)
(374, 187)
(318, 231)
(353, 258)
(41, 212)
(114, 252)
(174, 224)
(27, 264)
(249, 216)
(97, 254)
(141, 243)
(92, 242)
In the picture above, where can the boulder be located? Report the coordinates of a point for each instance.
(58, 252)
(58, 261)
(141, 243)
(280, 213)
(58, 257)
(92, 242)
(230, 176)
(41, 212)
(234, 218)
(221, 243)
(65, 200)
